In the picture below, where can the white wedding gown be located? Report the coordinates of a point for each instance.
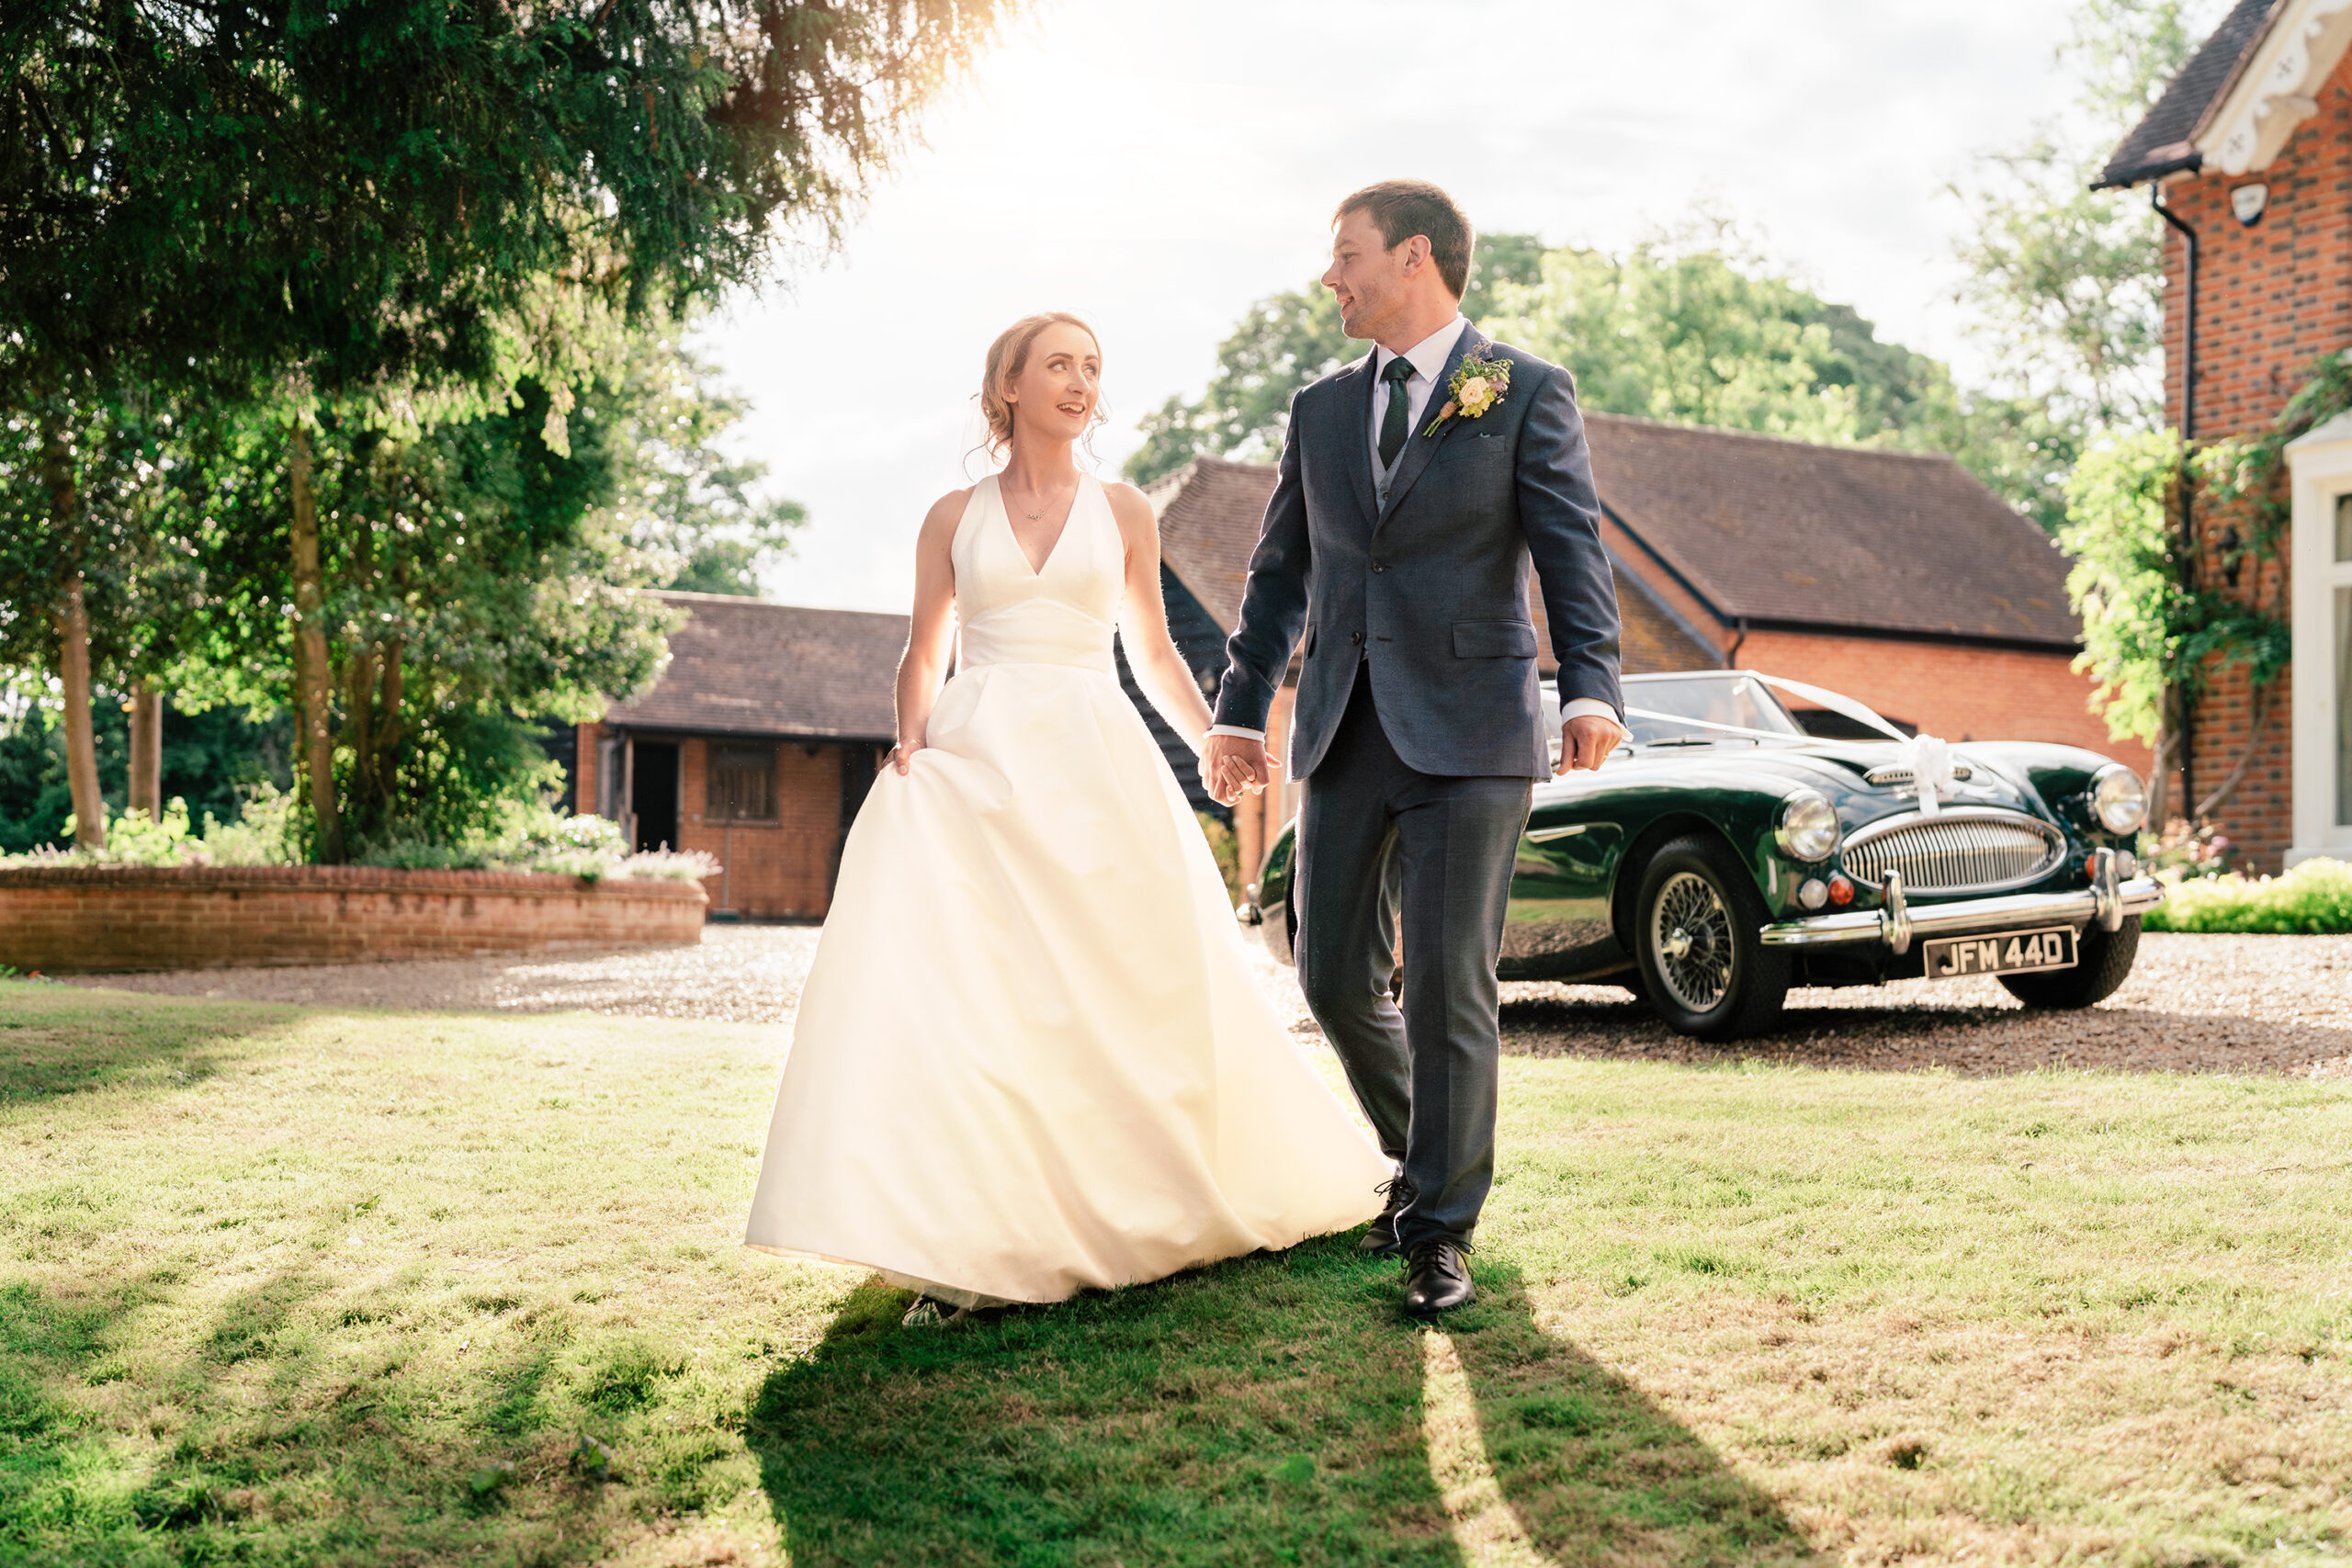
(1031, 1058)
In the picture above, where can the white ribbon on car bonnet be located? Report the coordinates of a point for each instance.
(1930, 760)
(1926, 758)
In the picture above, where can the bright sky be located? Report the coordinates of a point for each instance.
(1156, 166)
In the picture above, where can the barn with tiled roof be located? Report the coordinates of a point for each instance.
(756, 745)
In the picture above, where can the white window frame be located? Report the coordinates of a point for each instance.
(2320, 466)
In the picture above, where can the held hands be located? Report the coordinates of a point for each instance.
(1233, 766)
(1586, 742)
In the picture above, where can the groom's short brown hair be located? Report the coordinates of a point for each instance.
(1403, 209)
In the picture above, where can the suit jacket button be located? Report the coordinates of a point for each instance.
(1355, 636)
(1377, 567)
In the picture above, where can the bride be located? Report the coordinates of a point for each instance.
(1031, 1058)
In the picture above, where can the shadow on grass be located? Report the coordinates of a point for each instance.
(1590, 1469)
(303, 1465)
(59, 1039)
(1275, 1409)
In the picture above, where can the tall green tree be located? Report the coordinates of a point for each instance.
(2065, 284)
(1692, 337)
(697, 509)
(476, 582)
(393, 214)
(84, 568)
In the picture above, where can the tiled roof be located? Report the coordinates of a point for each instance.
(1832, 536)
(747, 667)
(1758, 527)
(1210, 511)
(2160, 143)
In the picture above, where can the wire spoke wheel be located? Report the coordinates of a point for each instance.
(1690, 934)
(1695, 932)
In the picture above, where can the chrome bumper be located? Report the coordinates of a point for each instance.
(1897, 925)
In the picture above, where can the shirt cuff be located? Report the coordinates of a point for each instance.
(1259, 735)
(1592, 708)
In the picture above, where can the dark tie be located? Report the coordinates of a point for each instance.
(1392, 424)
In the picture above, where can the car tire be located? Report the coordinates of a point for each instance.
(2102, 959)
(1697, 916)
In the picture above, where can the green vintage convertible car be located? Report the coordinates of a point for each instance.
(1758, 834)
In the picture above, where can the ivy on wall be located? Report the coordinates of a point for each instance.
(2163, 615)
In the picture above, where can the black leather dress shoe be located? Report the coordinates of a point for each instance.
(1436, 1278)
(1380, 1238)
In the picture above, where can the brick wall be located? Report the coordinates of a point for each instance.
(2271, 299)
(1949, 690)
(1958, 692)
(110, 919)
(783, 868)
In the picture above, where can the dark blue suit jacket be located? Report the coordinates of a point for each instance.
(1432, 588)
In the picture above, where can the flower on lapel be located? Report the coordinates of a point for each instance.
(1477, 386)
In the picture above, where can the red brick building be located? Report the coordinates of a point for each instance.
(1893, 577)
(2251, 151)
(757, 745)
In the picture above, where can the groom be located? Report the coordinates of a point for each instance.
(1416, 485)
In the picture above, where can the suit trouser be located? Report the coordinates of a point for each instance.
(1381, 844)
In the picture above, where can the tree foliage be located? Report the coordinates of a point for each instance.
(1693, 328)
(700, 513)
(2155, 635)
(2065, 283)
(405, 197)
(2124, 583)
(479, 584)
(346, 250)
(1282, 342)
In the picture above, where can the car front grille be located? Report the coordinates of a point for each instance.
(1956, 851)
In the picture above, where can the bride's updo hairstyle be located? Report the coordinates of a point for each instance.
(1008, 357)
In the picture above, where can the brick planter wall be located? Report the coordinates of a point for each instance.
(110, 919)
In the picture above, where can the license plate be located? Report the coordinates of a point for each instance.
(2011, 952)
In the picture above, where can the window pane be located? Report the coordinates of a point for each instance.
(2344, 707)
(2344, 528)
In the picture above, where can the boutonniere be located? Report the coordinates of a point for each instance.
(1477, 386)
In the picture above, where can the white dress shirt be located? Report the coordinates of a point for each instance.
(1428, 357)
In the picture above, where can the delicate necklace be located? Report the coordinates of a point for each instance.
(1038, 515)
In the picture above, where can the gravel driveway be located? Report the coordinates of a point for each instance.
(2247, 1004)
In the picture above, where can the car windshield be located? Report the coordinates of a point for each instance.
(1682, 710)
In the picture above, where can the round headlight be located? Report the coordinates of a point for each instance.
(2119, 799)
(1808, 827)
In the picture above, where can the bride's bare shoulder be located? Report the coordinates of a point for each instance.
(939, 523)
(1131, 507)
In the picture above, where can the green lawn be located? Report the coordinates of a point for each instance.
(289, 1286)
